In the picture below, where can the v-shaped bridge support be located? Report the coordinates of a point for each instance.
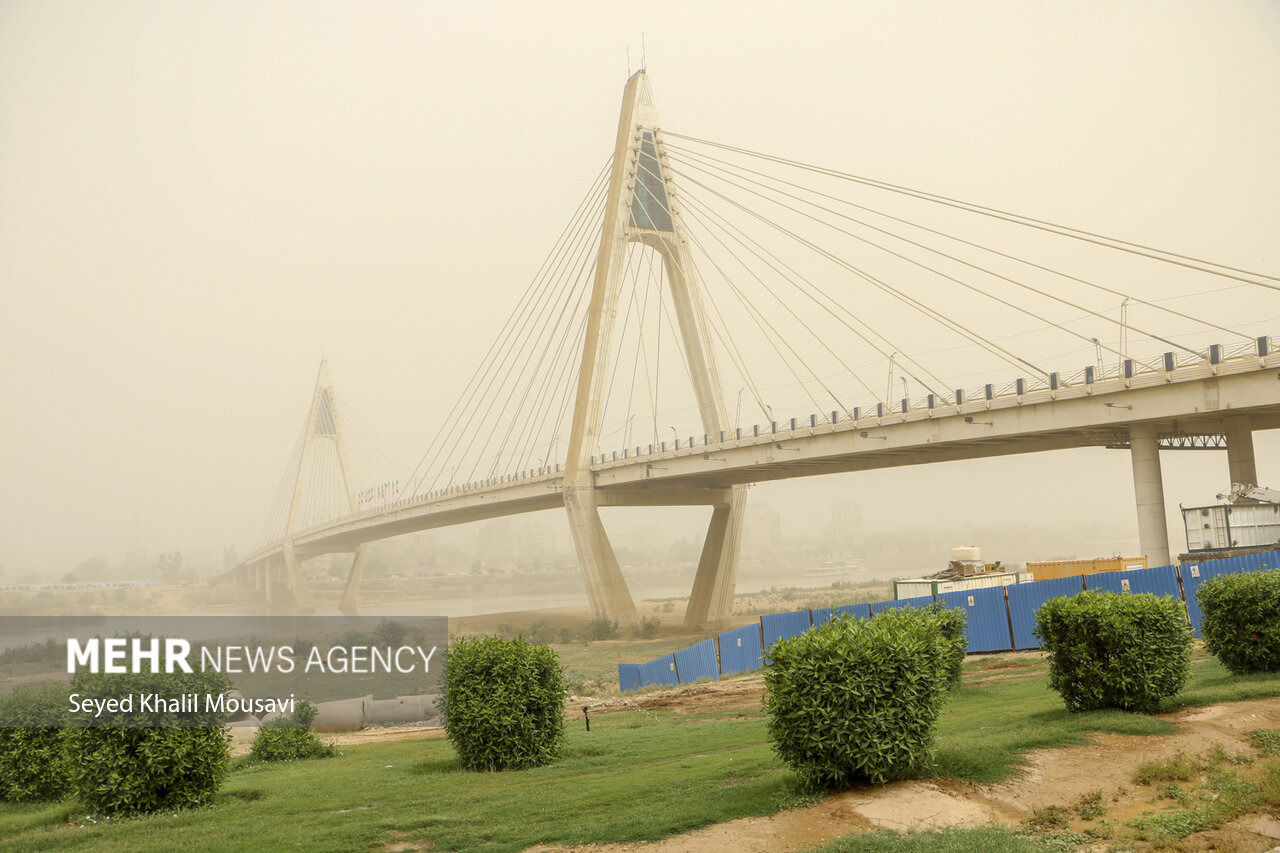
(641, 209)
(323, 424)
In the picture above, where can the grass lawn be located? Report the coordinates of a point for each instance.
(635, 776)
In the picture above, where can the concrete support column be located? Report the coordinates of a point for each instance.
(1148, 487)
(711, 602)
(1240, 460)
(293, 578)
(351, 593)
(606, 588)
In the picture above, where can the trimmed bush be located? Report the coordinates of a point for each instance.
(1115, 650)
(1241, 620)
(858, 700)
(125, 764)
(952, 621)
(504, 703)
(290, 738)
(33, 758)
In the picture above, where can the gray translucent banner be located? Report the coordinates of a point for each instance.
(156, 671)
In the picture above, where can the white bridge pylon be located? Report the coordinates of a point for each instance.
(323, 424)
(642, 207)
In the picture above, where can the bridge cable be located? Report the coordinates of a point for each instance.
(1150, 303)
(756, 312)
(789, 310)
(535, 296)
(941, 274)
(516, 357)
(1164, 255)
(978, 290)
(536, 285)
(883, 286)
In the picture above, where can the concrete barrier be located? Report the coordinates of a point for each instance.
(344, 715)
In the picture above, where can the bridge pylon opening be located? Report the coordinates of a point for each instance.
(642, 207)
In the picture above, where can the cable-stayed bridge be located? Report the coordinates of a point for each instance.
(865, 325)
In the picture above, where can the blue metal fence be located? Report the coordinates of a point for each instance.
(1194, 575)
(659, 671)
(697, 661)
(740, 649)
(1162, 580)
(823, 614)
(986, 617)
(628, 677)
(998, 618)
(1026, 598)
(778, 626)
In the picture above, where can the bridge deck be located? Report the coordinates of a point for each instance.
(1197, 398)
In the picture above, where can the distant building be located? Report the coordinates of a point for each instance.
(762, 528)
(846, 527)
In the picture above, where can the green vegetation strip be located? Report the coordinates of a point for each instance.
(635, 776)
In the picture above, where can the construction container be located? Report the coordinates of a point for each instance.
(1213, 528)
(928, 586)
(1045, 570)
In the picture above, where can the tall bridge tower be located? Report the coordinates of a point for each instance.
(642, 207)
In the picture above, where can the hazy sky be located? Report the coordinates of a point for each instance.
(197, 200)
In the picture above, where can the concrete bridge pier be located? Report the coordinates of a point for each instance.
(606, 588)
(1148, 487)
(1240, 460)
(351, 592)
(293, 579)
(711, 601)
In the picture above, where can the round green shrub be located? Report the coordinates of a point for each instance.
(504, 703)
(1241, 620)
(145, 762)
(290, 738)
(858, 700)
(1115, 650)
(33, 757)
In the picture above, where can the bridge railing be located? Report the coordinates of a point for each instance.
(863, 415)
(998, 619)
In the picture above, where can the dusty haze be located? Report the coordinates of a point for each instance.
(198, 201)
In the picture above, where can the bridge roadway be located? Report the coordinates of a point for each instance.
(1235, 396)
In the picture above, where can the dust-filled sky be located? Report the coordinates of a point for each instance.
(199, 200)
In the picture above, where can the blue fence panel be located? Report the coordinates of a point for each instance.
(917, 601)
(628, 677)
(659, 671)
(1162, 580)
(823, 614)
(1026, 598)
(986, 617)
(1105, 581)
(776, 626)
(1194, 574)
(740, 650)
(697, 661)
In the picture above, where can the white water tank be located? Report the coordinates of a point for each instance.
(966, 554)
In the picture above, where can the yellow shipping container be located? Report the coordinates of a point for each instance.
(1050, 569)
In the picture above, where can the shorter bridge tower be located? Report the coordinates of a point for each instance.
(323, 424)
